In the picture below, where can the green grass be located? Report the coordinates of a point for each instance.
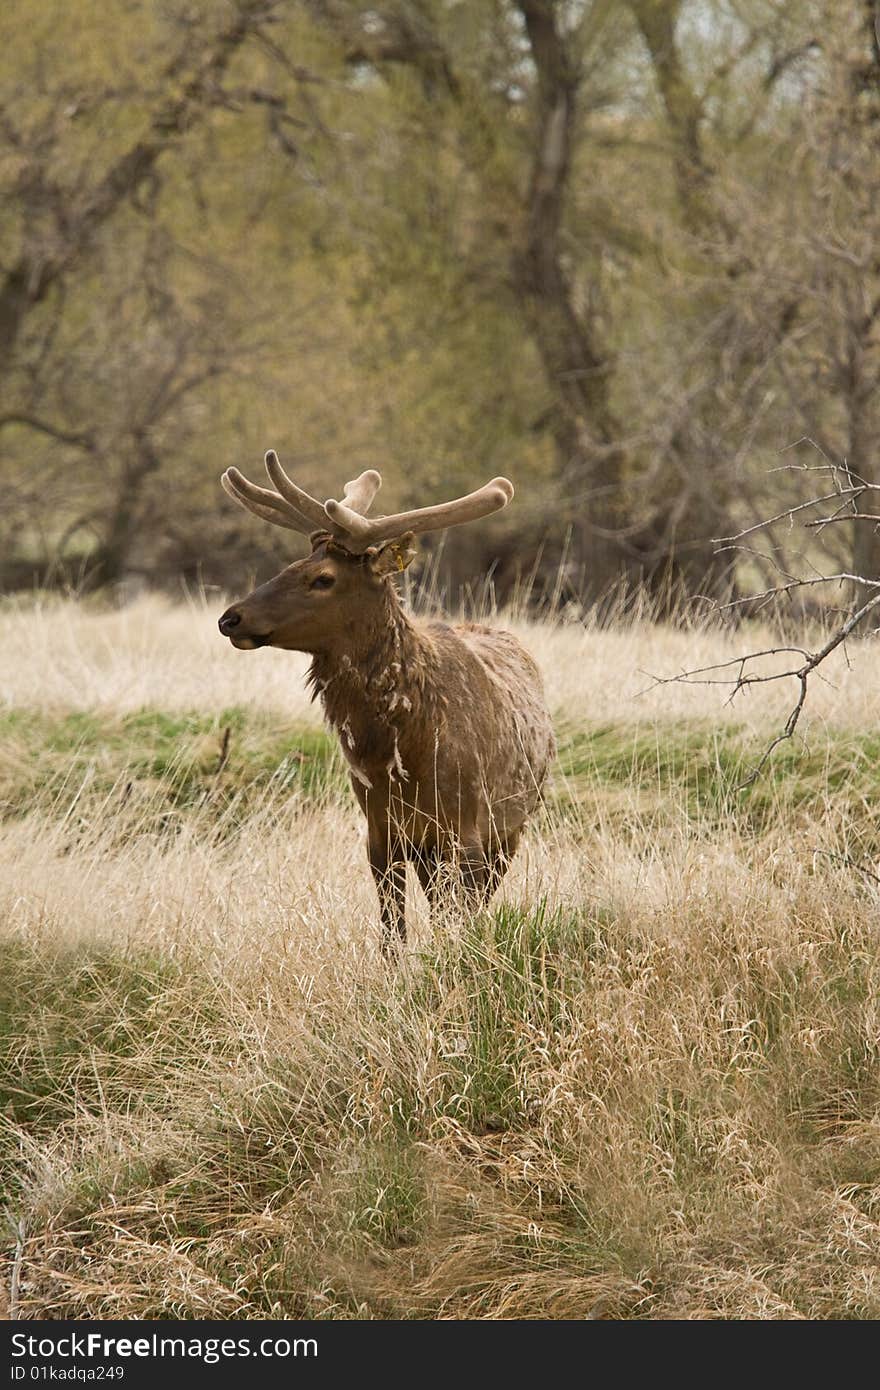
(162, 762)
(84, 1030)
(508, 979)
(701, 771)
(173, 763)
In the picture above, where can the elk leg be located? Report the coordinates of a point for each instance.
(498, 866)
(479, 873)
(483, 870)
(475, 869)
(445, 879)
(499, 862)
(389, 871)
(427, 864)
(426, 868)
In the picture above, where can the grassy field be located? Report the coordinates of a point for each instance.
(644, 1085)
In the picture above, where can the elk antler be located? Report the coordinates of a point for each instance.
(346, 520)
(490, 498)
(291, 507)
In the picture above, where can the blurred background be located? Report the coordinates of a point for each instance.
(624, 251)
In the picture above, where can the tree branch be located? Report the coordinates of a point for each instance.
(77, 439)
(744, 675)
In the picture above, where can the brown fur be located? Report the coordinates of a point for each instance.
(444, 727)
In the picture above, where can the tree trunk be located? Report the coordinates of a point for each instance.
(861, 366)
(591, 462)
(657, 20)
(113, 557)
(860, 455)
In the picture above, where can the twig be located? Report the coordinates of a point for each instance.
(848, 863)
(784, 590)
(224, 750)
(848, 516)
(849, 488)
(780, 516)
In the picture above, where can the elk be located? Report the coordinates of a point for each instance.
(444, 727)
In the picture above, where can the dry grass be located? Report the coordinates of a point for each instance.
(155, 654)
(645, 1085)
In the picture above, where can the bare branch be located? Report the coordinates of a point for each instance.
(73, 437)
(744, 678)
(740, 673)
(848, 516)
(785, 515)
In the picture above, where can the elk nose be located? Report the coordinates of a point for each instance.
(229, 620)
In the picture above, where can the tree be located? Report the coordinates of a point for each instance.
(59, 219)
(621, 249)
(111, 316)
(832, 383)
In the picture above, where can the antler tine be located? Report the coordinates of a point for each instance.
(358, 494)
(297, 511)
(298, 499)
(268, 506)
(490, 498)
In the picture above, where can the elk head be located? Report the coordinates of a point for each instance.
(324, 601)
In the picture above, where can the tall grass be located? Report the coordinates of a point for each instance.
(644, 1084)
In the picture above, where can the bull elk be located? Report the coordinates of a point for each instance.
(445, 728)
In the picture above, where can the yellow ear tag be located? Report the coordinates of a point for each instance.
(401, 560)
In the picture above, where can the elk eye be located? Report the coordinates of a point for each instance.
(323, 581)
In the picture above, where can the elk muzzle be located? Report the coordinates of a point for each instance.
(230, 625)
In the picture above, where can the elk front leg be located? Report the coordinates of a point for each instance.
(474, 868)
(499, 862)
(482, 870)
(429, 869)
(388, 865)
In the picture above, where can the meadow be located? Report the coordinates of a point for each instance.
(643, 1084)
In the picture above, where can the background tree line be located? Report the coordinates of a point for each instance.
(624, 251)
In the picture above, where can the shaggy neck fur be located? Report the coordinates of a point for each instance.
(374, 689)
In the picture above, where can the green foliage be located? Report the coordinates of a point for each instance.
(80, 1030)
(703, 771)
(503, 988)
(152, 766)
(322, 257)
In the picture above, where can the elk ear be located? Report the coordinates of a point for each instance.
(394, 556)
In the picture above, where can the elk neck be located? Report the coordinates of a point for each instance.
(375, 685)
